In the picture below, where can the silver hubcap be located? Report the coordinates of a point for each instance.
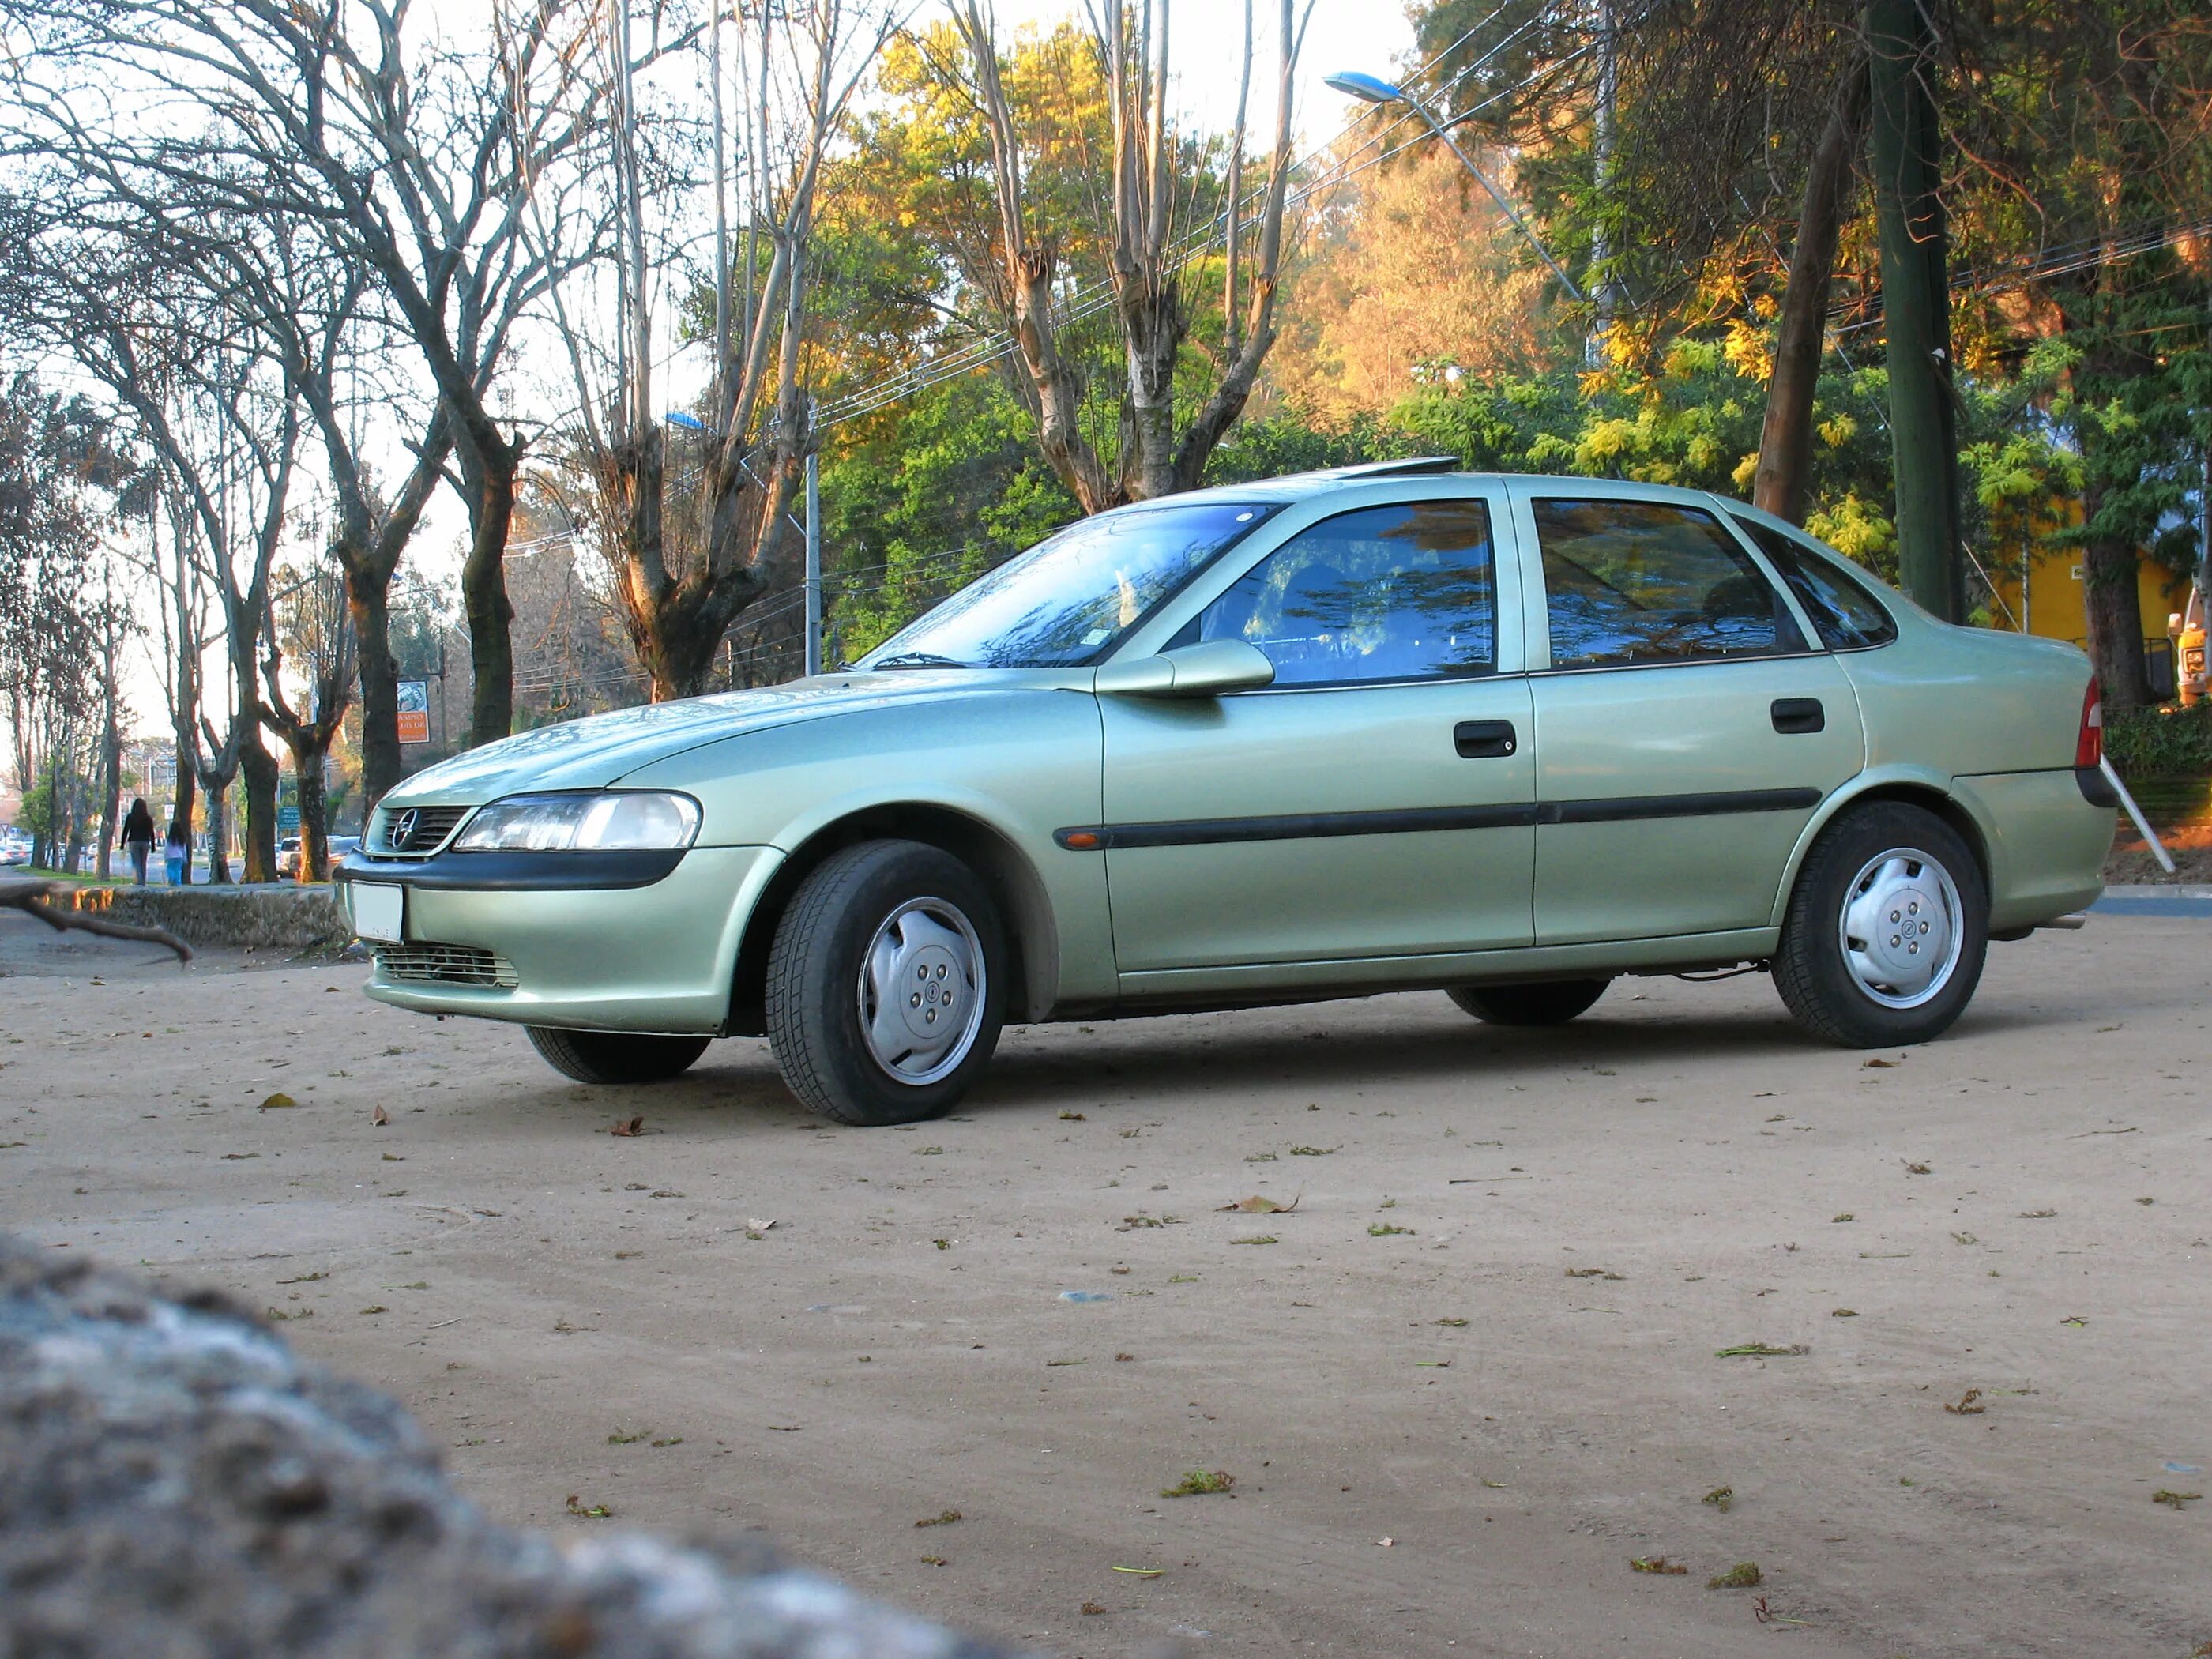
(921, 991)
(1902, 928)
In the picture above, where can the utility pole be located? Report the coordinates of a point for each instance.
(1916, 304)
(813, 564)
(1609, 92)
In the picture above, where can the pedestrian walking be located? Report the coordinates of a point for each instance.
(177, 852)
(138, 837)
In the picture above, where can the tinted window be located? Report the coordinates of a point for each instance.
(1070, 598)
(1849, 618)
(1647, 581)
(1400, 593)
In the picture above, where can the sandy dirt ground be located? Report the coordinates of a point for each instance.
(1450, 1439)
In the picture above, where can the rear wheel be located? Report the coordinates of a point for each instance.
(615, 1056)
(884, 984)
(1884, 934)
(1545, 1002)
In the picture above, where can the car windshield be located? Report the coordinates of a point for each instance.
(1071, 597)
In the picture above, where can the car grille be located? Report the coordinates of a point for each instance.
(428, 832)
(444, 964)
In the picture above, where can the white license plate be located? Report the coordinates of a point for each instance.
(379, 911)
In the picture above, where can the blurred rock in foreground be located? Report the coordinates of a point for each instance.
(175, 1483)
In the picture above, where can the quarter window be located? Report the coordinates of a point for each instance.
(1649, 582)
(1406, 592)
(1849, 618)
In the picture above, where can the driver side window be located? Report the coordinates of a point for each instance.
(1406, 592)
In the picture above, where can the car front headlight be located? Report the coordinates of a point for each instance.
(618, 821)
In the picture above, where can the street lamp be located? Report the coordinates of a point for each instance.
(1371, 90)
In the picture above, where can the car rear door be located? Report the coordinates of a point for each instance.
(1378, 799)
(1686, 729)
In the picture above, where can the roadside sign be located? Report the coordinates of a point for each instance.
(413, 711)
(287, 820)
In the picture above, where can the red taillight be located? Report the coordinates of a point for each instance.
(2089, 746)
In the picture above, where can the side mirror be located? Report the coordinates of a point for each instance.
(1196, 670)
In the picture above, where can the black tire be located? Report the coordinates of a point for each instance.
(1814, 972)
(818, 986)
(615, 1056)
(1542, 1002)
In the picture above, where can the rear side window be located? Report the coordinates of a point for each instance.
(1406, 592)
(1649, 582)
(1848, 617)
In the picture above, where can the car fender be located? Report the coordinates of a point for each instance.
(1898, 780)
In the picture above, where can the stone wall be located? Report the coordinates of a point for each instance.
(266, 916)
(177, 1485)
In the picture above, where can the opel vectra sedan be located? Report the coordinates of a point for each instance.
(1382, 728)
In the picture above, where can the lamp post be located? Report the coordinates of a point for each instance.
(1370, 89)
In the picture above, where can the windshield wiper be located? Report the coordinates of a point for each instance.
(918, 659)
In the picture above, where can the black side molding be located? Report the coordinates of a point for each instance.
(2096, 788)
(1215, 832)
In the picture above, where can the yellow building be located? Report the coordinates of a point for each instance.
(2050, 603)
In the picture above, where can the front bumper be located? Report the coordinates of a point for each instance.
(659, 957)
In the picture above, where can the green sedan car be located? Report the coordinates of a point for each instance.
(1384, 728)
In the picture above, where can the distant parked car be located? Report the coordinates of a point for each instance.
(1382, 728)
(288, 858)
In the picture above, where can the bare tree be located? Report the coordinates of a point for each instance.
(1147, 190)
(313, 622)
(416, 155)
(688, 561)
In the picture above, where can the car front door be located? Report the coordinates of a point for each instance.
(1378, 799)
(1685, 729)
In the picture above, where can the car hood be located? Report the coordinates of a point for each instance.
(597, 750)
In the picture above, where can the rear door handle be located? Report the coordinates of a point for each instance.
(1796, 715)
(1484, 739)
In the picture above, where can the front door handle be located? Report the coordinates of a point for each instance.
(1484, 739)
(1793, 716)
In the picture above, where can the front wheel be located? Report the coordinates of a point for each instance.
(884, 984)
(615, 1056)
(1885, 935)
(1545, 1002)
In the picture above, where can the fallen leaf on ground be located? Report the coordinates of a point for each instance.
(1257, 1205)
(1877, 1065)
(1200, 1483)
(1311, 1151)
(1092, 1608)
(1910, 1168)
(1658, 1563)
(2075, 1320)
(1257, 1238)
(1845, 1216)
(1073, 1117)
(1140, 1572)
(1593, 1272)
(277, 1102)
(1720, 1497)
(944, 1518)
(1457, 1324)
(1844, 1312)
(2037, 1215)
(629, 1128)
(2174, 1499)
(1743, 1576)
(756, 1224)
(1385, 1543)
(595, 1512)
(1761, 1351)
(932, 1561)
(1967, 1405)
(378, 1117)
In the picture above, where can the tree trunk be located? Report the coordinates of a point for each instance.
(218, 835)
(314, 811)
(1785, 442)
(187, 794)
(1916, 306)
(260, 775)
(369, 611)
(111, 790)
(490, 475)
(2111, 601)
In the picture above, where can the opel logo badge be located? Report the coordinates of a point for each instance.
(403, 828)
